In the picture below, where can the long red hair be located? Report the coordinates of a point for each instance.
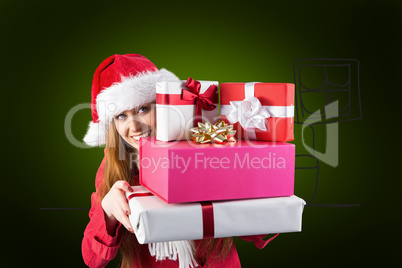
(121, 164)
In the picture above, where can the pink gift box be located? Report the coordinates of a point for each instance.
(183, 171)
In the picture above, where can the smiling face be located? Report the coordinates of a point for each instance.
(136, 123)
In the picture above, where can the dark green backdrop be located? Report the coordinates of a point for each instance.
(50, 52)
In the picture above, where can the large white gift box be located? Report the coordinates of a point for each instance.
(154, 220)
(180, 104)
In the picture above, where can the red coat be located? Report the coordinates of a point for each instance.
(98, 247)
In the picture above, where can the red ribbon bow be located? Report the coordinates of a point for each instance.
(202, 101)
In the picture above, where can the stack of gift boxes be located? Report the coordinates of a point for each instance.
(219, 165)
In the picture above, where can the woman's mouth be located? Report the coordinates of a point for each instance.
(136, 138)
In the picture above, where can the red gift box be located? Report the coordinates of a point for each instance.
(276, 114)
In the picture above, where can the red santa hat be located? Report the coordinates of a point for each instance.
(120, 83)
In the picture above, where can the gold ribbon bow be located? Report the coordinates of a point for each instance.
(219, 132)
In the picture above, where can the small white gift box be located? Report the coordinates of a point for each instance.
(180, 104)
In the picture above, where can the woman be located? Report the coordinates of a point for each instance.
(123, 96)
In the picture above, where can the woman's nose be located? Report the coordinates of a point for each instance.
(134, 125)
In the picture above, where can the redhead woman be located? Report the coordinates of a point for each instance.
(123, 110)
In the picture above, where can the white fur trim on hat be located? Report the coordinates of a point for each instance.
(130, 93)
(96, 134)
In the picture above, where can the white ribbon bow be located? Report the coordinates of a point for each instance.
(249, 113)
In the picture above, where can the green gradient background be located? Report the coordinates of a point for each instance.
(50, 53)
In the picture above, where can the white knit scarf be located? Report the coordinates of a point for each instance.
(173, 250)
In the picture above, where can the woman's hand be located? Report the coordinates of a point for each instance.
(116, 208)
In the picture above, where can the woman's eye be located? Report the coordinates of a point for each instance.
(121, 117)
(143, 109)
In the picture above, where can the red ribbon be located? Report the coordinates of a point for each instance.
(202, 101)
(138, 195)
(172, 99)
(208, 224)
